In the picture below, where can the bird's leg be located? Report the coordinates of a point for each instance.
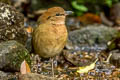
(57, 57)
(52, 61)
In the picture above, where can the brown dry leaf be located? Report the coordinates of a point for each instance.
(24, 69)
(89, 18)
(59, 69)
(29, 29)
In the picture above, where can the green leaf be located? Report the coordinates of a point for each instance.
(79, 7)
(109, 2)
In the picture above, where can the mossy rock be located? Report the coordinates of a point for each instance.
(12, 54)
(92, 36)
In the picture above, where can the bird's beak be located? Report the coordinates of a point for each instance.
(68, 12)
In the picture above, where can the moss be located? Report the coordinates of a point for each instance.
(20, 58)
(12, 55)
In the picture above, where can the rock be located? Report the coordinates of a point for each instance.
(114, 43)
(94, 37)
(115, 57)
(12, 54)
(7, 76)
(2, 75)
(113, 47)
(34, 76)
(11, 24)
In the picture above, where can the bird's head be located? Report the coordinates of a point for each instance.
(55, 15)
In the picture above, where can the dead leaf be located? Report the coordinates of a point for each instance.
(29, 29)
(89, 18)
(87, 68)
(24, 69)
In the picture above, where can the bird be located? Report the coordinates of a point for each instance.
(50, 36)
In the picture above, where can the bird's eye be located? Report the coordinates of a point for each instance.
(57, 14)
